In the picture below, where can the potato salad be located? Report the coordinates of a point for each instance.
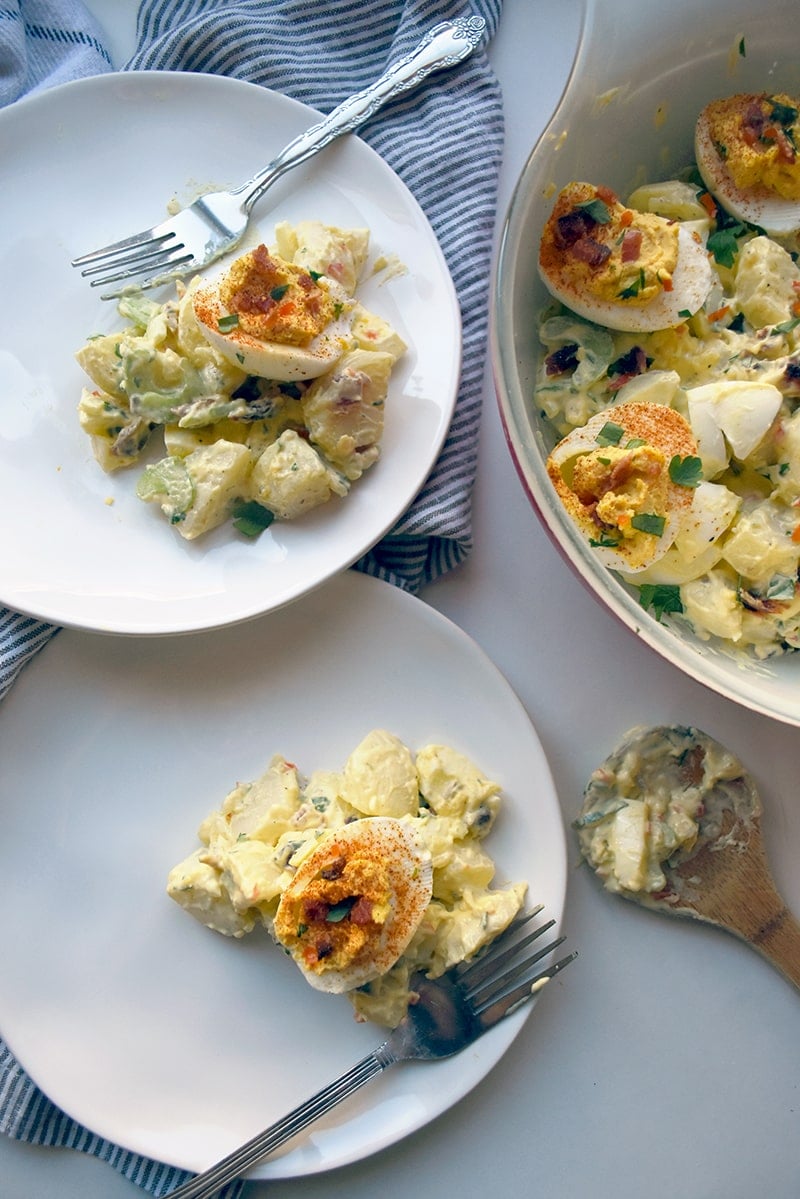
(251, 399)
(703, 518)
(364, 875)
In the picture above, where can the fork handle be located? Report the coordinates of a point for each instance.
(204, 1185)
(443, 46)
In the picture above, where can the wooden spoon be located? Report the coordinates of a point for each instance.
(723, 878)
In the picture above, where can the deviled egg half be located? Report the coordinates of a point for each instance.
(275, 319)
(627, 270)
(627, 479)
(746, 148)
(355, 903)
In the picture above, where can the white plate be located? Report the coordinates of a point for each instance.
(89, 162)
(160, 1035)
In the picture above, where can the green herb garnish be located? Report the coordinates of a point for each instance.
(340, 910)
(252, 518)
(628, 293)
(597, 209)
(278, 293)
(661, 597)
(787, 326)
(226, 323)
(649, 522)
(723, 244)
(686, 472)
(610, 434)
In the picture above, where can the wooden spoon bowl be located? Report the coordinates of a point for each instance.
(723, 878)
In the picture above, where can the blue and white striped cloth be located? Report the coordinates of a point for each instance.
(318, 53)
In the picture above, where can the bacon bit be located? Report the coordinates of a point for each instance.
(710, 205)
(796, 286)
(631, 245)
(561, 360)
(324, 948)
(719, 313)
(606, 195)
(592, 252)
(316, 910)
(334, 870)
(361, 911)
(571, 227)
(691, 766)
(774, 133)
(753, 122)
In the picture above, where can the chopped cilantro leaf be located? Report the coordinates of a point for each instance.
(661, 597)
(226, 323)
(724, 246)
(687, 472)
(649, 522)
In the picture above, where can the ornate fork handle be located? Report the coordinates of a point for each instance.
(445, 45)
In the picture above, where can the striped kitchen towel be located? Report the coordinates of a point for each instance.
(444, 141)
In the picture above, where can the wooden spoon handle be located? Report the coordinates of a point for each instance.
(779, 942)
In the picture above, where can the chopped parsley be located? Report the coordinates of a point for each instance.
(661, 597)
(686, 472)
(649, 522)
(597, 209)
(252, 518)
(278, 293)
(226, 323)
(610, 434)
(723, 244)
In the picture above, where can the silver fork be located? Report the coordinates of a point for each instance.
(450, 1013)
(215, 223)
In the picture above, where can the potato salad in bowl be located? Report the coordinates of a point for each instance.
(716, 373)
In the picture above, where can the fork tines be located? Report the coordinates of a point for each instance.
(504, 973)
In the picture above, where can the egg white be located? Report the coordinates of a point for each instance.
(691, 282)
(760, 205)
(393, 843)
(271, 359)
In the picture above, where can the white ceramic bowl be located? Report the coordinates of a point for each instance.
(627, 116)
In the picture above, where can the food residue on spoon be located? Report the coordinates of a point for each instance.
(653, 801)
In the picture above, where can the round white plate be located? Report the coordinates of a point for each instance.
(92, 161)
(153, 1031)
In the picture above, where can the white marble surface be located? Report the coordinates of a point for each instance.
(666, 1060)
